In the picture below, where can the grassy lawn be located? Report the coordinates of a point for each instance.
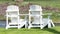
(51, 3)
(54, 30)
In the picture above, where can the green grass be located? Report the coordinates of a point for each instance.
(54, 30)
(47, 3)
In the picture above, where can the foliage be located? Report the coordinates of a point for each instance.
(54, 30)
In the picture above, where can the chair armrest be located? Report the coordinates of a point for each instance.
(48, 14)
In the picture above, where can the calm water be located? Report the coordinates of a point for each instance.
(2, 23)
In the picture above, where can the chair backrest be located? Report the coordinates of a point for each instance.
(35, 9)
(12, 10)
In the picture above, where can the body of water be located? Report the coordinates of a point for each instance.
(2, 24)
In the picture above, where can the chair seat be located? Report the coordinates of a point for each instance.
(12, 15)
(45, 20)
(13, 23)
(20, 22)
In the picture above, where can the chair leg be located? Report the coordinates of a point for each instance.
(49, 25)
(18, 26)
(6, 27)
(52, 23)
(41, 27)
(29, 27)
(25, 25)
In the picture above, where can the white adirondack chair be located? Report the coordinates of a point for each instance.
(12, 14)
(35, 11)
